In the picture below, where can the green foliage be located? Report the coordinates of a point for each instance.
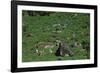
(71, 27)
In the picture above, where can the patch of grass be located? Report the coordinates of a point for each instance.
(40, 29)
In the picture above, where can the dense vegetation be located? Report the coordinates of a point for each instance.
(41, 30)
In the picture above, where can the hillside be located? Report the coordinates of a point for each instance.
(42, 30)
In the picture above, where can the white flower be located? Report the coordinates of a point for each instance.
(55, 25)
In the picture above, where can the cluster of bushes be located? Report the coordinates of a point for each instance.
(36, 13)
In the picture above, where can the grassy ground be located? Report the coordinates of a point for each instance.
(40, 30)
